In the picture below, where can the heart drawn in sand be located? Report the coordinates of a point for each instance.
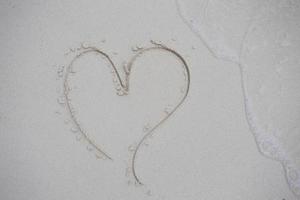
(107, 111)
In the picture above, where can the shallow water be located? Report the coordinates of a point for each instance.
(262, 38)
(220, 25)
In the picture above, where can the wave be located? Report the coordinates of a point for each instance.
(262, 37)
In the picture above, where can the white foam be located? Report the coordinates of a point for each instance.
(262, 37)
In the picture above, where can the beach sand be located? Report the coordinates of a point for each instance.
(204, 150)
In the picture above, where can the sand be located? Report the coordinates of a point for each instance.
(206, 149)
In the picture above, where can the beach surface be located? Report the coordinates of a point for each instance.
(221, 122)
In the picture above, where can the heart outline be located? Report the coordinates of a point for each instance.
(125, 89)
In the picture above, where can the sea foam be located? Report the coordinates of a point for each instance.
(262, 37)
